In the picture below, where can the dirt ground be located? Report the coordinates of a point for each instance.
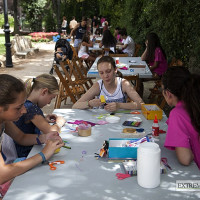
(41, 62)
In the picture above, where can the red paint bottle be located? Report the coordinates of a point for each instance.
(155, 127)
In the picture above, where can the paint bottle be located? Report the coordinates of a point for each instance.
(155, 128)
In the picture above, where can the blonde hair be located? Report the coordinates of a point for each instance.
(42, 81)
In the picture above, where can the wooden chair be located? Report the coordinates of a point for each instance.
(155, 95)
(134, 79)
(119, 55)
(137, 48)
(67, 87)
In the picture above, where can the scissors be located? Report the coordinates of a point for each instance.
(164, 160)
(121, 176)
(58, 162)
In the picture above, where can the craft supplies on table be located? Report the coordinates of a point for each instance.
(84, 129)
(150, 110)
(137, 68)
(124, 148)
(132, 133)
(148, 165)
(112, 119)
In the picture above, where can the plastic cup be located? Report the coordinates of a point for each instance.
(117, 60)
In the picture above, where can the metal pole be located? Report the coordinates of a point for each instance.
(7, 36)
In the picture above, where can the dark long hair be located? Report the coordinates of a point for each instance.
(108, 39)
(10, 88)
(186, 87)
(153, 43)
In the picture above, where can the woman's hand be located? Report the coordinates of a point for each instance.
(95, 103)
(50, 148)
(111, 107)
(51, 118)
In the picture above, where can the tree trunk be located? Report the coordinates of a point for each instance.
(16, 21)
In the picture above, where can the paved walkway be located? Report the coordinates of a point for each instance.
(41, 63)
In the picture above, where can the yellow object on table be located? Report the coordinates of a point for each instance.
(150, 110)
(57, 151)
(102, 98)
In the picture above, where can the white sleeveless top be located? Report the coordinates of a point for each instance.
(117, 96)
(83, 52)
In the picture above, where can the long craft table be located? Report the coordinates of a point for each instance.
(93, 72)
(83, 177)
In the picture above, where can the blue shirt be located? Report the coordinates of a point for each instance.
(25, 124)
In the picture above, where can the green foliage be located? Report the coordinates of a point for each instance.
(10, 20)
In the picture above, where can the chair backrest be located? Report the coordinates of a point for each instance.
(119, 55)
(175, 62)
(137, 48)
(65, 84)
(75, 55)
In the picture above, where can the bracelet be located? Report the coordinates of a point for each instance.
(43, 157)
(38, 140)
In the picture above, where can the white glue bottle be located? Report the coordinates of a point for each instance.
(155, 128)
(148, 165)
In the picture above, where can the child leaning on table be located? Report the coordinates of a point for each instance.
(12, 98)
(182, 90)
(40, 91)
(115, 90)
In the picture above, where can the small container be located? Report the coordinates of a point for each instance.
(148, 165)
(155, 128)
(117, 60)
(84, 130)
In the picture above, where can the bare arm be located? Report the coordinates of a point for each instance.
(154, 66)
(73, 30)
(87, 100)
(143, 57)
(184, 155)
(42, 124)
(28, 139)
(10, 171)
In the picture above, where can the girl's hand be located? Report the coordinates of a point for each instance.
(53, 135)
(111, 107)
(60, 121)
(95, 103)
(50, 148)
(51, 118)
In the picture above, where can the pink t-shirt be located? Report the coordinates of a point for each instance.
(162, 62)
(181, 132)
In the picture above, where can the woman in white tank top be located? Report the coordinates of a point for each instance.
(115, 90)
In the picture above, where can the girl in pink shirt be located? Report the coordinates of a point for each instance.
(182, 90)
(154, 55)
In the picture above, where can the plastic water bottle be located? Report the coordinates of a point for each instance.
(148, 165)
(155, 128)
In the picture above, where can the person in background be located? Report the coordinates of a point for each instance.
(94, 24)
(155, 55)
(64, 26)
(40, 91)
(182, 90)
(128, 43)
(72, 25)
(12, 98)
(117, 35)
(105, 27)
(80, 29)
(83, 50)
(115, 90)
(108, 41)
